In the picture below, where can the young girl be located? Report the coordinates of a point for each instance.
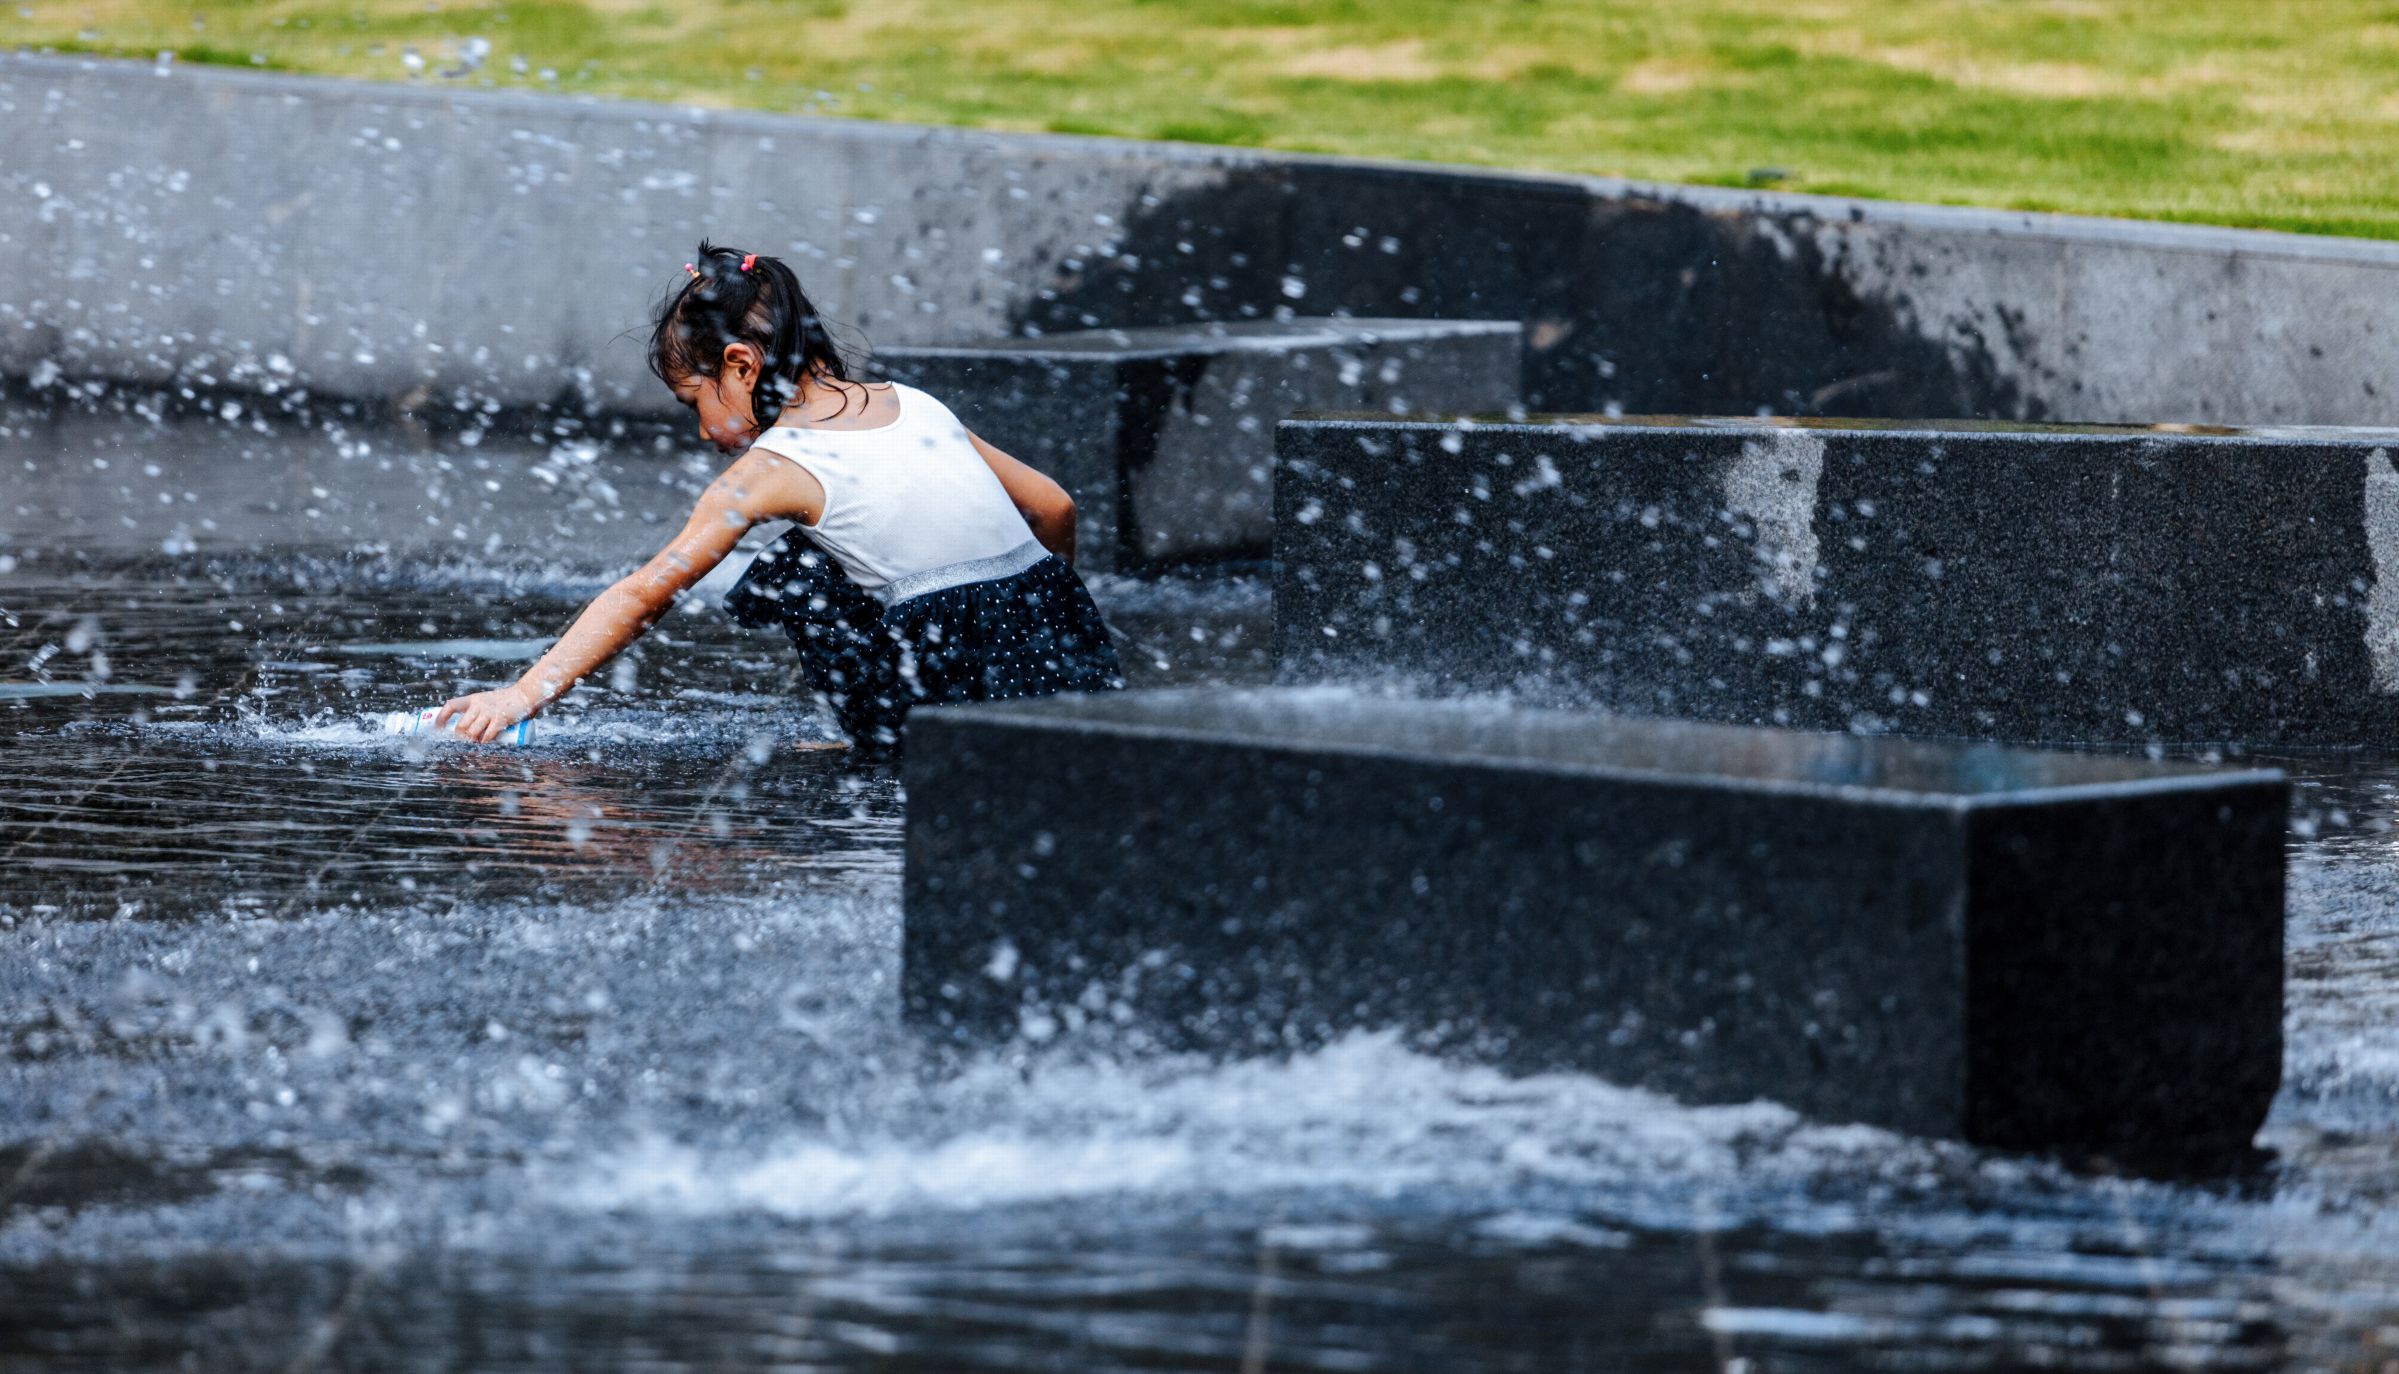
(952, 581)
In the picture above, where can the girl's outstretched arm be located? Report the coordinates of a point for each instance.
(756, 488)
(1044, 504)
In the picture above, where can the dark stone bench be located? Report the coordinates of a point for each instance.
(2019, 949)
(1165, 436)
(1987, 581)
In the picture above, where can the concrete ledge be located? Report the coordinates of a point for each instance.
(1166, 436)
(204, 226)
(2017, 949)
(1997, 582)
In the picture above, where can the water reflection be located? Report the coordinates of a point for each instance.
(1265, 1295)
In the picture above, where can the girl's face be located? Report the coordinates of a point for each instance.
(723, 401)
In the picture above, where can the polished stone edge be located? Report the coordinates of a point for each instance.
(1549, 425)
(1090, 717)
(1150, 342)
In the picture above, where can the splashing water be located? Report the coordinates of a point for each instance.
(589, 1053)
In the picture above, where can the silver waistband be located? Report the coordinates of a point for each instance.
(1007, 564)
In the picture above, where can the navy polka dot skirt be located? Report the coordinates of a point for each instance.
(1028, 634)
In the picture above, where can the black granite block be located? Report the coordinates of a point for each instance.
(1997, 582)
(2022, 949)
(1165, 436)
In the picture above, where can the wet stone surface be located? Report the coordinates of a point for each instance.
(2037, 950)
(1996, 582)
(1165, 435)
(322, 1051)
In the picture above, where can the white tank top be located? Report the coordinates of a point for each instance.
(910, 507)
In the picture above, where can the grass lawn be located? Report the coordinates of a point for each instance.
(2274, 113)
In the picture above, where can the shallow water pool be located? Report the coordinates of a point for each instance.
(321, 1049)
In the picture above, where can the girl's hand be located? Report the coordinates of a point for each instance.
(484, 716)
(759, 487)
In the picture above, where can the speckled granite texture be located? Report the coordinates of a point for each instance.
(2024, 583)
(2029, 950)
(1166, 435)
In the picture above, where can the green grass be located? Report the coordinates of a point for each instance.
(2223, 111)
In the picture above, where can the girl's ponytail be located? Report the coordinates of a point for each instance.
(734, 297)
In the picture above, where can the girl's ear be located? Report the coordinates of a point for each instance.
(741, 365)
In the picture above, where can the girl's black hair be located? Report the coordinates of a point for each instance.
(763, 307)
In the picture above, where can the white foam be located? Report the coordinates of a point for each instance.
(813, 1178)
(1534, 1229)
(336, 731)
(1789, 1324)
(1363, 1114)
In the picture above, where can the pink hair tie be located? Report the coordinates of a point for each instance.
(748, 260)
(691, 269)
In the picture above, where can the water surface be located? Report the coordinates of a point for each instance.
(321, 1049)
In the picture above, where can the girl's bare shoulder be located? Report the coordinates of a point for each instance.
(763, 485)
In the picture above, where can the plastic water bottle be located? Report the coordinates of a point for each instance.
(421, 723)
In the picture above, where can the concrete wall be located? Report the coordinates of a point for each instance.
(415, 241)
